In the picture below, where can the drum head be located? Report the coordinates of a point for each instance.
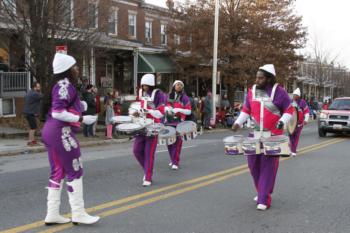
(122, 119)
(186, 127)
(128, 127)
(167, 132)
(233, 139)
(292, 124)
(142, 121)
(277, 139)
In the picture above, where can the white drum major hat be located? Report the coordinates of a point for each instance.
(297, 92)
(148, 79)
(270, 68)
(178, 81)
(62, 63)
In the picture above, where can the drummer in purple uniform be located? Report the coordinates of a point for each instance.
(303, 118)
(178, 107)
(277, 113)
(62, 109)
(145, 147)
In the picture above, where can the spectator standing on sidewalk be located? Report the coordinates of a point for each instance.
(109, 118)
(98, 108)
(31, 111)
(208, 109)
(89, 98)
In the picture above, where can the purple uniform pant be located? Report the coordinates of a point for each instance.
(63, 152)
(144, 149)
(175, 151)
(263, 170)
(294, 139)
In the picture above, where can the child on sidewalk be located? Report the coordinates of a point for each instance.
(109, 116)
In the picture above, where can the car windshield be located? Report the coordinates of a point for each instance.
(340, 104)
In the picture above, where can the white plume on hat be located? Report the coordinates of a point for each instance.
(62, 63)
(148, 79)
(178, 81)
(270, 68)
(297, 92)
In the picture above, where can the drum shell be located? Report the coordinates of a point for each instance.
(187, 130)
(279, 147)
(233, 145)
(167, 139)
(251, 147)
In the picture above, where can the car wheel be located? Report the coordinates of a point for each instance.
(322, 133)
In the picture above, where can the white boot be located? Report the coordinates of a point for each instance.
(53, 207)
(256, 198)
(76, 201)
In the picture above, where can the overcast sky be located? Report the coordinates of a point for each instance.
(327, 22)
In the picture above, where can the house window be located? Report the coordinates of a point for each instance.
(176, 39)
(9, 7)
(148, 31)
(68, 10)
(113, 22)
(7, 107)
(163, 37)
(132, 25)
(93, 15)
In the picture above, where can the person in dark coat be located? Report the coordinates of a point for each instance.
(89, 98)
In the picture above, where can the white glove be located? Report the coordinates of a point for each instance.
(285, 118)
(89, 119)
(168, 109)
(155, 113)
(183, 111)
(84, 105)
(243, 117)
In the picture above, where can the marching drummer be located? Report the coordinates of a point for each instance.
(178, 107)
(277, 113)
(152, 105)
(303, 118)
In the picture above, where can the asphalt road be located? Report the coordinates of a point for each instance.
(210, 193)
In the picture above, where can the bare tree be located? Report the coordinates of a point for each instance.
(40, 25)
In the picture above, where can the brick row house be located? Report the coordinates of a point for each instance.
(132, 40)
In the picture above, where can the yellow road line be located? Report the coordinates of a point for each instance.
(177, 192)
(156, 191)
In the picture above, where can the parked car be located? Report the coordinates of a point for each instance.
(336, 119)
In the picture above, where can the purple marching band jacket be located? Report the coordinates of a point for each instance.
(180, 106)
(277, 108)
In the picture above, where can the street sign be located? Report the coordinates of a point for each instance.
(61, 49)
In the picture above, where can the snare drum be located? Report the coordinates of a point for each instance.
(233, 145)
(122, 119)
(153, 129)
(277, 146)
(167, 136)
(130, 128)
(187, 130)
(251, 146)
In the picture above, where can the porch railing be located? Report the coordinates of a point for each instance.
(14, 84)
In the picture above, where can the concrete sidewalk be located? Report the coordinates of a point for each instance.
(19, 146)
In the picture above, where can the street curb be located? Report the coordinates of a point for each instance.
(38, 149)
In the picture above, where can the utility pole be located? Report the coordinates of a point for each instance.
(215, 56)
